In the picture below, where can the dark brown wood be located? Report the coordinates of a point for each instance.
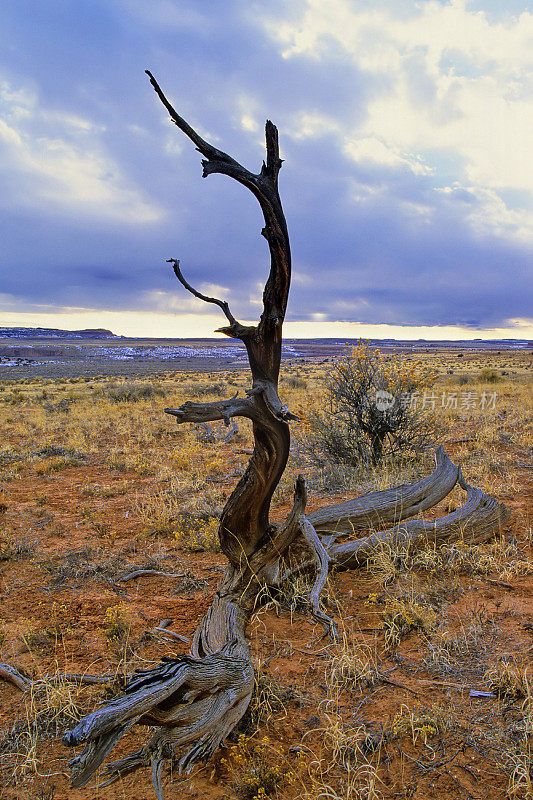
(197, 700)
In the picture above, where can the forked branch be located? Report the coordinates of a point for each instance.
(219, 409)
(264, 341)
(236, 329)
(387, 507)
(322, 561)
(478, 519)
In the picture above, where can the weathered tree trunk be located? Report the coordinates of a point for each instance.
(195, 701)
(475, 521)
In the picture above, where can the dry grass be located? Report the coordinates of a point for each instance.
(351, 664)
(94, 481)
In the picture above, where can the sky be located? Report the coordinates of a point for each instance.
(407, 184)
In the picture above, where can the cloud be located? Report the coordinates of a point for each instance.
(53, 158)
(370, 148)
(404, 126)
(457, 83)
(170, 303)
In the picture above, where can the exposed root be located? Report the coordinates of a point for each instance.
(143, 573)
(12, 675)
(196, 701)
(193, 701)
(322, 561)
(479, 518)
(389, 506)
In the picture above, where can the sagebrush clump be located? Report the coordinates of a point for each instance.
(377, 406)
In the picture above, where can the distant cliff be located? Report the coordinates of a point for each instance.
(55, 333)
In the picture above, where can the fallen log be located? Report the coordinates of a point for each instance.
(478, 519)
(389, 506)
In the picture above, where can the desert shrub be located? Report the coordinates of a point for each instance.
(158, 513)
(509, 680)
(257, 768)
(132, 392)
(295, 382)
(62, 406)
(197, 534)
(199, 389)
(15, 548)
(51, 450)
(425, 723)
(119, 620)
(9, 455)
(489, 375)
(401, 615)
(57, 459)
(352, 665)
(16, 398)
(376, 407)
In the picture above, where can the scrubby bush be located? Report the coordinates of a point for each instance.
(295, 382)
(132, 392)
(489, 375)
(199, 389)
(376, 406)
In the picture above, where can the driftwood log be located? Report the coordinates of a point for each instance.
(195, 701)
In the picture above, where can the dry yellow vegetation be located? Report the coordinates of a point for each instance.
(97, 484)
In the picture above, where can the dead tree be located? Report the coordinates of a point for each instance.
(195, 701)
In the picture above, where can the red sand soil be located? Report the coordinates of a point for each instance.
(289, 648)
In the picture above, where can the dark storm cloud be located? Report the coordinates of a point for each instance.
(100, 189)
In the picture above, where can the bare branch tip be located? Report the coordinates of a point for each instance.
(300, 489)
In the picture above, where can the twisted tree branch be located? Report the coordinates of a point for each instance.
(478, 519)
(263, 342)
(238, 330)
(219, 409)
(387, 507)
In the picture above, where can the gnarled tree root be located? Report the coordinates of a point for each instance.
(196, 701)
(389, 506)
(322, 561)
(478, 519)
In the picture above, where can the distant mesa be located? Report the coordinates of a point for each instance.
(56, 333)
